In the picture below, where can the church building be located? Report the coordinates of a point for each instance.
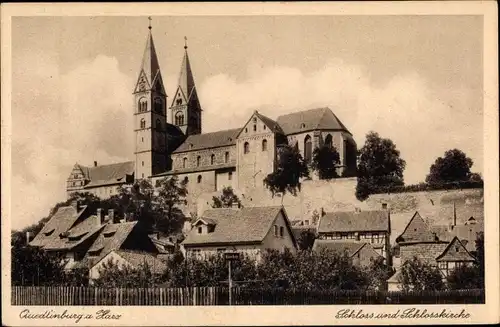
(239, 157)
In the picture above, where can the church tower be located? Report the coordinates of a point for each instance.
(185, 108)
(150, 116)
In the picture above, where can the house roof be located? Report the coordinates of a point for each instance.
(245, 225)
(107, 174)
(421, 232)
(297, 230)
(197, 169)
(338, 246)
(111, 238)
(352, 221)
(209, 140)
(61, 222)
(307, 120)
(455, 251)
(271, 124)
(136, 258)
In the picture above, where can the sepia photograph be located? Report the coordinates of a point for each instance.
(247, 160)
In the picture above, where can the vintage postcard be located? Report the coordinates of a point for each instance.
(193, 164)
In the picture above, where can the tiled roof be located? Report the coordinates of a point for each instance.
(245, 225)
(111, 238)
(297, 230)
(455, 251)
(352, 221)
(196, 169)
(271, 124)
(338, 246)
(209, 140)
(307, 120)
(108, 174)
(61, 221)
(417, 230)
(156, 265)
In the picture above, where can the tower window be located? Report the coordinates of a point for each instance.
(264, 127)
(246, 148)
(198, 161)
(143, 163)
(328, 141)
(186, 180)
(158, 105)
(264, 145)
(179, 118)
(143, 105)
(246, 130)
(184, 163)
(212, 159)
(226, 157)
(178, 102)
(199, 179)
(230, 175)
(254, 128)
(142, 139)
(143, 123)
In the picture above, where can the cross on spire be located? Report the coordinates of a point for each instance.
(185, 42)
(150, 19)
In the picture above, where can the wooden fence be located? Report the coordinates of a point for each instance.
(39, 295)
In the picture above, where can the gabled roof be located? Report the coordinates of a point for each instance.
(338, 246)
(417, 230)
(352, 221)
(61, 222)
(271, 124)
(455, 251)
(245, 225)
(108, 174)
(209, 140)
(308, 120)
(135, 259)
(111, 238)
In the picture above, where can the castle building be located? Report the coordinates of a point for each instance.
(239, 157)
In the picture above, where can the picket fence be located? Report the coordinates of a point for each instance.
(39, 295)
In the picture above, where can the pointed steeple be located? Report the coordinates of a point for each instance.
(185, 107)
(186, 79)
(149, 74)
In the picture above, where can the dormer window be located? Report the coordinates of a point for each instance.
(200, 230)
(254, 119)
(49, 232)
(109, 234)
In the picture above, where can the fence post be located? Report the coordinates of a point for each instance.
(95, 296)
(194, 295)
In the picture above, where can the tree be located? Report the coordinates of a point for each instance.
(113, 274)
(226, 199)
(286, 178)
(379, 272)
(465, 277)
(171, 195)
(380, 166)
(306, 240)
(416, 275)
(325, 160)
(453, 167)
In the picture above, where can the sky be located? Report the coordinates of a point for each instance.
(417, 80)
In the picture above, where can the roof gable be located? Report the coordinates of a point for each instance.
(307, 120)
(455, 251)
(245, 225)
(351, 221)
(417, 230)
(272, 126)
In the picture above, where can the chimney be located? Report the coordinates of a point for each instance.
(384, 206)
(322, 212)
(111, 215)
(454, 215)
(99, 215)
(28, 237)
(235, 205)
(75, 204)
(95, 163)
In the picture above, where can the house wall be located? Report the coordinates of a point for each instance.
(201, 252)
(205, 158)
(271, 241)
(254, 166)
(365, 256)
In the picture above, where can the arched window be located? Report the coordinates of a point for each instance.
(179, 101)
(212, 159)
(254, 128)
(186, 180)
(158, 124)
(226, 157)
(184, 163)
(307, 149)
(158, 105)
(328, 141)
(143, 105)
(246, 148)
(179, 118)
(230, 175)
(264, 145)
(199, 179)
(198, 161)
(143, 123)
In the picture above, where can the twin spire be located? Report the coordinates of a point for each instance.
(150, 74)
